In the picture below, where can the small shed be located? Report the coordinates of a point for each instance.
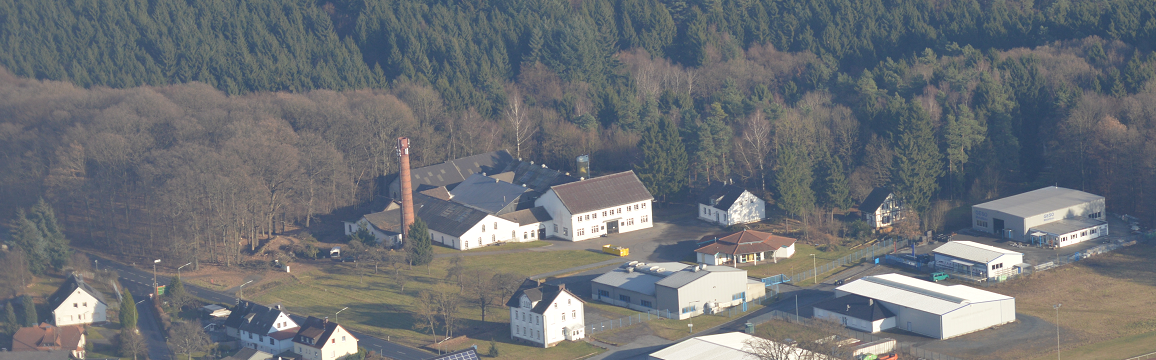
(216, 311)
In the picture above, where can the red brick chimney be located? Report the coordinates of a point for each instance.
(406, 187)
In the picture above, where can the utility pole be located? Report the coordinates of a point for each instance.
(1057, 307)
(155, 262)
(816, 268)
(179, 270)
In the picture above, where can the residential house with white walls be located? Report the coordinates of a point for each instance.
(545, 315)
(77, 303)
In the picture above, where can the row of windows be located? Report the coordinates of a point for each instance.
(739, 296)
(1096, 215)
(689, 309)
(524, 331)
(997, 266)
(981, 223)
(609, 212)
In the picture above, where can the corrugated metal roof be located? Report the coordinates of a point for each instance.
(857, 307)
(918, 294)
(457, 170)
(973, 251)
(728, 346)
(1066, 226)
(602, 192)
(638, 281)
(1040, 201)
(688, 275)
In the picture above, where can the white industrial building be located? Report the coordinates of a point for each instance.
(728, 346)
(919, 306)
(978, 260)
(1051, 216)
(676, 290)
(603, 205)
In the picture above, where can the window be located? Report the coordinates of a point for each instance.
(565, 231)
(495, 225)
(1093, 231)
(646, 303)
(603, 293)
(997, 266)
(555, 305)
(981, 223)
(595, 215)
(630, 221)
(587, 216)
(594, 229)
(580, 231)
(738, 296)
(643, 205)
(271, 342)
(493, 238)
(342, 338)
(568, 302)
(479, 242)
(704, 210)
(603, 213)
(689, 309)
(563, 316)
(483, 227)
(75, 305)
(555, 227)
(1083, 233)
(525, 235)
(332, 341)
(85, 304)
(645, 218)
(624, 298)
(574, 314)
(619, 210)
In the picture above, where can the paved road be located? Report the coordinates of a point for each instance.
(147, 323)
(143, 279)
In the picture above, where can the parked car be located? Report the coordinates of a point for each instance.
(937, 276)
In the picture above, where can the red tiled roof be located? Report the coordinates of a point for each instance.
(746, 242)
(47, 337)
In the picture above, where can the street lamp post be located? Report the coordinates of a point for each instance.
(338, 312)
(691, 324)
(155, 262)
(1057, 307)
(816, 268)
(240, 289)
(179, 270)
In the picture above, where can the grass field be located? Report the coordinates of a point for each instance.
(504, 247)
(378, 307)
(1107, 302)
(667, 328)
(798, 263)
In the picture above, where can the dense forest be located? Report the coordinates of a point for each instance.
(186, 127)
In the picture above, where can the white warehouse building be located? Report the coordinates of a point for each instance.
(978, 260)
(1052, 216)
(895, 301)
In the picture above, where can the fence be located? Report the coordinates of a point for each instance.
(882, 247)
(1151, 355)
(863, 337)
(655, 314)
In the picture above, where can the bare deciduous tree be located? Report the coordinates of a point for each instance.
(754, 147)
(520, 123)
(187, 338)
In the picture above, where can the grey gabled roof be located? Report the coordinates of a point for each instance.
(489, 194)
(457, 170)
(538, 177)
(720, 195)
(70, 284)
(544, 295)
(387, 221)
(688, 275)
(446, 217)
(1065, 226)
(856, 306)
(873, 200)
(1040, 201)
(602, 192)
(972, 251)
(528, 216)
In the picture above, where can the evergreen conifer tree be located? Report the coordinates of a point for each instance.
(918, 163)
(420, 245)
(663, 167)
(128, 313)
(30, 316)
(793, 177)
(11, 324)
(836, 193)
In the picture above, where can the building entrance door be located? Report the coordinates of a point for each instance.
(542, 234)
(612, 227)
(997, 226)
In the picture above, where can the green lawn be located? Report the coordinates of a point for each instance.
(1120, 348)
(503, 247)
(376, 305)
(798, 263)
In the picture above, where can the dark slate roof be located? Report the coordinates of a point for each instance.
(71, 284)
(468, 354)
(446, 217)
(544, 295)
(538, 177)
(252, 317)
(388, 220)
(316, 329)
(856, 306)
(507, 176)
(746, 242)
(528, 216)
(457, 170)
(489, 194)
(720, 195)
(602, 192)
(873, 200)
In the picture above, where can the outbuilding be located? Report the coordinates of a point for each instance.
(919, 306)
(726, 204)
(747, 246)
(977, 260)
(1051, 216)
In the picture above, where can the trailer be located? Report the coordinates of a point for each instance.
(615, 250)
